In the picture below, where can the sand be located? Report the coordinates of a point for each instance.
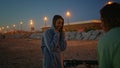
(26, 53)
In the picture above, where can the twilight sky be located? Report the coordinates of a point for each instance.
(14, 11)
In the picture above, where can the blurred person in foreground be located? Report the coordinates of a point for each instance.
(109, 45)
(53, 43)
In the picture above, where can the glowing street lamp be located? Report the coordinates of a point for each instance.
(109, 2)
(0, 29)
(14, 26)
(68, 16)
(7, 28)
(21, 25)
(3, 28)
(31, 22)
(31, 25)
(45, 20)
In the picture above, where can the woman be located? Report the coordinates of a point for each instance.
(53, 43)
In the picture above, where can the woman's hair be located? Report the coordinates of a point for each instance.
(110, 15)
(55, 18)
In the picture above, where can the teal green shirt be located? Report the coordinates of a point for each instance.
(109, 49)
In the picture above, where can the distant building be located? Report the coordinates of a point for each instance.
(80, 26)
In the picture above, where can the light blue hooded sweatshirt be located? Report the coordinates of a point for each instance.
(52, 48)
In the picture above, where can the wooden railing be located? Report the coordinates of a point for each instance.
(74, 63)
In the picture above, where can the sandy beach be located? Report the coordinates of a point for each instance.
(26, 53)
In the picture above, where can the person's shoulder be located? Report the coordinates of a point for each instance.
(49, 31)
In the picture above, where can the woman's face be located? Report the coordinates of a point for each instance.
(59, 24)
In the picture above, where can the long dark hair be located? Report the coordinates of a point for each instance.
(55, 18)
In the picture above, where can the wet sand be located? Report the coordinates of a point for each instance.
(26, 53)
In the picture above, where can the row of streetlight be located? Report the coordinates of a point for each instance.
(68, 14)
(7, 28)
(14, 26)
(2, 28)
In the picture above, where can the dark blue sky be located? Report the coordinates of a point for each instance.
(14, 11)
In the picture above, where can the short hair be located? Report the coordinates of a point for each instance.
(110, 14)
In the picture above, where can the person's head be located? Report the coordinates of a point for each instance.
(58, 22)
(110, 16)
